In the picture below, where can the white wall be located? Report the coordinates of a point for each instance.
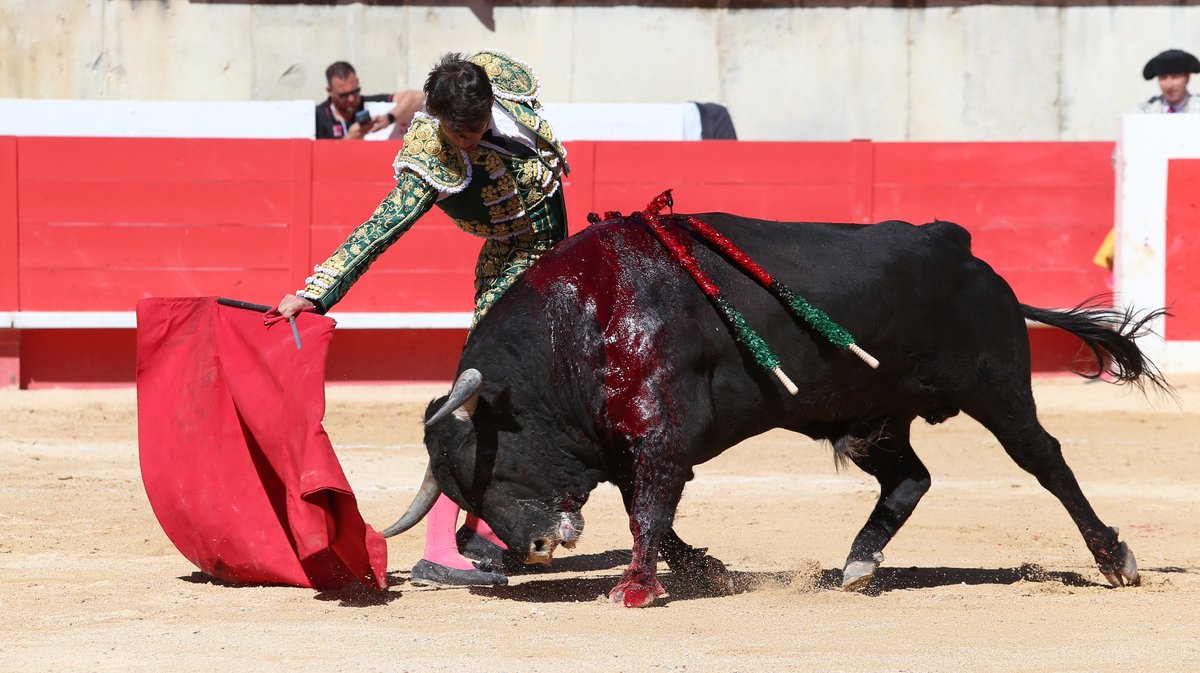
(972, 73)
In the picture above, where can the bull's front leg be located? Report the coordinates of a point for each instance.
(651, 501)
(694, 568)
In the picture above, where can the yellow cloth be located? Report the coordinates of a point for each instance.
(1104, 255)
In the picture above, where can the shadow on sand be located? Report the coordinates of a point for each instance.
(542, 584)
(354, 594)
(576, 589)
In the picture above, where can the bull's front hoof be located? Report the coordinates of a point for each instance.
(858, 574)
(636, 594)
(1125, 572)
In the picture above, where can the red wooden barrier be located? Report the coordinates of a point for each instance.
(1036, 211)
(779, 181)
(94, 224)
(9, 231)
(10, 343)
(107, 221)
(1183, 250)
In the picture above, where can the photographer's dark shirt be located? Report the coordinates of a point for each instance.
(328, 126)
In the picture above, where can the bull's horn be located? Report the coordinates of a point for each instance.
(463, 397)
(427, 494)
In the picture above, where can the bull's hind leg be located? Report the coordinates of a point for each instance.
(1012, 418)
(903, 479)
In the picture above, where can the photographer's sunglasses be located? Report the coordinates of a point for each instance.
(347, 94)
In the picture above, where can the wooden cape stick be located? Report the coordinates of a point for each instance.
(260, 308)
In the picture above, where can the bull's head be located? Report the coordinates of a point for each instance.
(529, 490)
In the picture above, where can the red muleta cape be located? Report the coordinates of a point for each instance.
(237, 467)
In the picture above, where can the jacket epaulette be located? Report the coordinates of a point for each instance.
(516, 88)
(440, 164)
(512, 79)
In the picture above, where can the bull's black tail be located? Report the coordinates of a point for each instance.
(1111, 335)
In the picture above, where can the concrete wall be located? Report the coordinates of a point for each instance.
(972, 73)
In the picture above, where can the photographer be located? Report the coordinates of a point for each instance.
(343, 115)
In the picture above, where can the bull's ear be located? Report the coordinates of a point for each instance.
(444, 439)
(432, 407)
(444, 475)
(451, 445)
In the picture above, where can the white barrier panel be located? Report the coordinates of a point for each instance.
(616, 121)
(295, 119)
(1145, 144)
(128, 320)
(601, 121)
(157, 119)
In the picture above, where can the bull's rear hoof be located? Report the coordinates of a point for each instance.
(858, 574)
(1125, 573)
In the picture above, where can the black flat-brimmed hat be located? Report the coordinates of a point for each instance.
(1170, 62)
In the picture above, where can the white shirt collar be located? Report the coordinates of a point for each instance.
(504, 125)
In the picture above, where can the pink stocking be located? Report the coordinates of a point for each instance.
(440, 547)
(482, 529)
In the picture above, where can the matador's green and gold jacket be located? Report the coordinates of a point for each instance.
(486, 193)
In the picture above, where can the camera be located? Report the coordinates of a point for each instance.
(363, 119)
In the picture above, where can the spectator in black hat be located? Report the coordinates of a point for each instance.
(1173, 69)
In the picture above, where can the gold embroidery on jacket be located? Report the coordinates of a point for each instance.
(425, 152)
(503, 189)
(498, 230)
(507, 74)
(506, 210)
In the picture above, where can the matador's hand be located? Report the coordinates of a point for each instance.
(290, 305)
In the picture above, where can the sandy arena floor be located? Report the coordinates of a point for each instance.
(989, 575)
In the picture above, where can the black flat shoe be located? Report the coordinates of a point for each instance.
(478, 548)
(429, 574)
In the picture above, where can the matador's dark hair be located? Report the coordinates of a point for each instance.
(458, 92)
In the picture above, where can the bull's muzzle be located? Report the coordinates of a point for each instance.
(541, 548)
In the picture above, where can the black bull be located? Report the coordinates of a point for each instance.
(606, 362)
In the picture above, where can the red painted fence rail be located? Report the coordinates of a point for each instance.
(1182, 275)
(94, 224)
